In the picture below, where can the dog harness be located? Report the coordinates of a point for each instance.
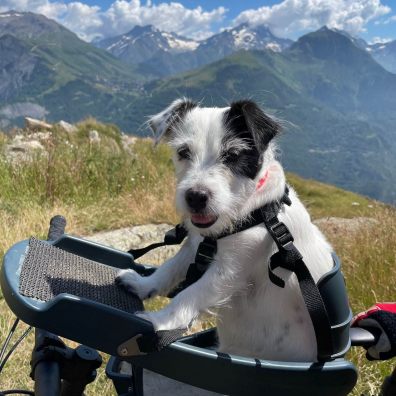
(287, 257)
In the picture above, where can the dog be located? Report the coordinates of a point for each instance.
(226, 166)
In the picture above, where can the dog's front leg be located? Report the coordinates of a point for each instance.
(213, 289)
(165, 278)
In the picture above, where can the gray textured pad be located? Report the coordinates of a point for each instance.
(48, 271)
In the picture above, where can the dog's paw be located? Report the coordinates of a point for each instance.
(165, 319)
(132, 282)
(150, 317)
(157, 319)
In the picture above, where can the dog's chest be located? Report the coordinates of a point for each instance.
(263, 320)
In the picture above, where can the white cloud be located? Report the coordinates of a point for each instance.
(387, 21)
(380, 40)
(293, 17)
(165, 16)
(91, 21)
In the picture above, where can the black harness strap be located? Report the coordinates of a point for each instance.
(287, 257)
(154, 342)
(175, 236)
(206, 251)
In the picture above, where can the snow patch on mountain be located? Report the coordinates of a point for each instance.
(243, 38)
(143, 42)
(180, 44)
(10, 15)
(275, 47)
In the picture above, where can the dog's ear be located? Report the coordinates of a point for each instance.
(163, 122)
(246, 115)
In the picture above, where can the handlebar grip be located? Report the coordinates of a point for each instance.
(46, 373)
(364, 337)
(56, 228)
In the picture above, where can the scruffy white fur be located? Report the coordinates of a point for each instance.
(254, 317)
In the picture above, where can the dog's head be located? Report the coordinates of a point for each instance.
(221, 158)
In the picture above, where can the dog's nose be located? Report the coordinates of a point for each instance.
(197, 198)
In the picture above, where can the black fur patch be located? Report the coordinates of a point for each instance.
(245, 163)
(177, 114)
(246, 121)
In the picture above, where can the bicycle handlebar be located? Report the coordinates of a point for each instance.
(364, 337)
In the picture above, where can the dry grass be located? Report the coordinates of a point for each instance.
(97, 193)
(368, 256)
(95, 188)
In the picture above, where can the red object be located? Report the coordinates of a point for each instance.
(262, 181)
(389, 307)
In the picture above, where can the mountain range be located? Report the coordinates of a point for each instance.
(336, 102)
(161, 54)
(335, 99)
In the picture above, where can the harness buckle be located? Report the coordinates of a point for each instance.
(176, 235)
(205, 253)
(281, 234)
(289, 245)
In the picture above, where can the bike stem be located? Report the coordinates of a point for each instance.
(389, 386)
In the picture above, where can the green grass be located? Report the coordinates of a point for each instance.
(80, 173)
(103, 187)
(324, 200)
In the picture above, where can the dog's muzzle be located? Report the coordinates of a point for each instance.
(197, 201)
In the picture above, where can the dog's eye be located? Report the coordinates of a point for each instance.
(230, 157)
(184, 153)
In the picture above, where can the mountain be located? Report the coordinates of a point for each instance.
(161, 54)
(44, 64)
(343, 76)
(335, 99)
(144, 42)
(243, 37)
(385, 55)
(382, 53)
(358, 41)
(27, 25)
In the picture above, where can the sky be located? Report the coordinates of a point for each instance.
(374, 20)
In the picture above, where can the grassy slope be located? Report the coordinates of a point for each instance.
(100, 188)
(73, 79)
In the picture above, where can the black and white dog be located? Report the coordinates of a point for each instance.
(226, 167)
